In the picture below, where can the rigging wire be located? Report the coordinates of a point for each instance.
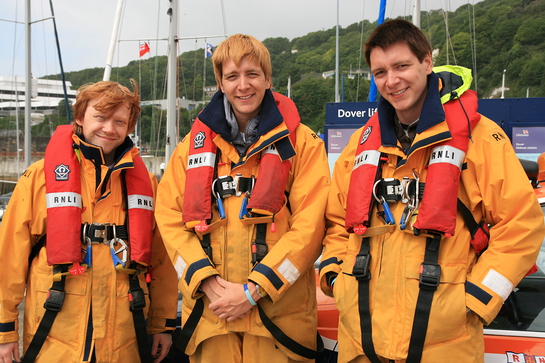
(358, 74)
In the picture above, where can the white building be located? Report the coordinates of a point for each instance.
(45, 98)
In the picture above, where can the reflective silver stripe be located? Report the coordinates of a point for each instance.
(288, 270)
(202, 159)
(63, 199)
(371, 157)
(180, 266)
(447, 154)
(138, 201)
(498, 283)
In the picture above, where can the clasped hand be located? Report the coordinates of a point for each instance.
(228, 300)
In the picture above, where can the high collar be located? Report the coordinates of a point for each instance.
(214, 117)
(95, 153)
(432, 113)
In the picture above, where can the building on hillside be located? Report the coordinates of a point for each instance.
(182, 102)
(45, 98)
(363, 72)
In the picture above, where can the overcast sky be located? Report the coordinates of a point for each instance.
(85, 26)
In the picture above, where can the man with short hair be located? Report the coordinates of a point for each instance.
(241, 210)
(410, 278)
(78, 238)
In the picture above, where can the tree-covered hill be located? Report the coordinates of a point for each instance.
(487, 37)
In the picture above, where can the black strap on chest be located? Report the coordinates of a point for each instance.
(52, 305)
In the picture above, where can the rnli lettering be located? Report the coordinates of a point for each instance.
(447, 154)
(370, 157)
(63, 199)
(140, 202)
(202, 159)
(498, 137)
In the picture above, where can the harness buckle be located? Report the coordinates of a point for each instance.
(430, 274)
(361, 267)
(390, 189)
(225, 186)
(137, 299)
(54, 300)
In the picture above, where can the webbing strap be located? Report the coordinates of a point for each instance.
(137, 304)
(429, 281)
(187, 330)
(286, 341)
(259, 246)
(205, 244)
(53, 305)
(362, 274)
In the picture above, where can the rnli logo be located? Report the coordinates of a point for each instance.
(199, 140)
(61, 172)
(366, 134)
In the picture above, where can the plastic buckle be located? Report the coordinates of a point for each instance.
(226, 186)
(361, 267)
(137, 299)
(54, 300)
(430, 275)
(390, 189)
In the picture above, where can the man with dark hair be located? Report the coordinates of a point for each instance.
(410, 278)
(77, 242)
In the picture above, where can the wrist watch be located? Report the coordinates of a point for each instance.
(259, 291)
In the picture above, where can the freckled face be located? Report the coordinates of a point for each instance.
(244, 86)
(401, 79)
(106, 131)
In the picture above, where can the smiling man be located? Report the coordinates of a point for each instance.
(77, 242)
(412, 280)
(241, 209)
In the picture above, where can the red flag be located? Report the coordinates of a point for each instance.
(144, 48)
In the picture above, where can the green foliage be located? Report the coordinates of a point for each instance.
(488, 37)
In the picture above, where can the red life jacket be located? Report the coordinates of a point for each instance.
(64, 203)
(437, 210)
(268, 193)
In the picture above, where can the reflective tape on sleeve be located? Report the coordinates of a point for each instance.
(63, 199)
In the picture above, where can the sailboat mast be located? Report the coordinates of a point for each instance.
(416, 13)
(172, 109)
(28, 85)
(113, 40)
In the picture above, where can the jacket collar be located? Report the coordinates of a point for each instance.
(214, 117)
(95, 153)
(431, 115)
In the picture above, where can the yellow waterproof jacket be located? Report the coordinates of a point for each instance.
(95, 314)
(495, 188)
(287, 272)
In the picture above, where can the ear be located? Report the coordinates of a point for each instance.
(429, 63)
(268, 82)
(79, 122)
